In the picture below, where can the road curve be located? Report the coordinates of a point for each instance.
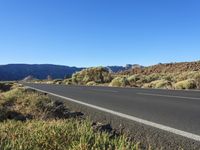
(178, 110)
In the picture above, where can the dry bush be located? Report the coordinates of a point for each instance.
(164, 84)
(67, 81)
(133, 80)
(185, 84)
(98, 75)
(119, 82)
(197, 80)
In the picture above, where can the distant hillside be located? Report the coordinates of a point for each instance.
(165, 68)
(20, 71)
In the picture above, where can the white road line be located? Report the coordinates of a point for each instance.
(112, 91)
(171, 96)
(145, 122)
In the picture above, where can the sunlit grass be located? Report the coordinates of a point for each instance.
(49, 134)
(58, 134)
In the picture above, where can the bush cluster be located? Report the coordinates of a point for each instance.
(184, 80)
(101, 76)
(98, 75)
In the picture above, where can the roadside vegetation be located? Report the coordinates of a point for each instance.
(102, 77)
(31, 120)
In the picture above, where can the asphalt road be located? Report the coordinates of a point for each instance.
(175, 109)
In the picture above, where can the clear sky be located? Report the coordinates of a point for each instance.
(99, 32)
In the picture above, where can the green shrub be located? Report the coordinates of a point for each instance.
(98, 75)
(119, 82)
(185, 84)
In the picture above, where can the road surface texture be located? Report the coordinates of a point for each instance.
(170, 110)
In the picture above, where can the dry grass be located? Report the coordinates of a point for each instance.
(29, 120)
(59, 135)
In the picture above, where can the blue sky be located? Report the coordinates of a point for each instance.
(99, 32)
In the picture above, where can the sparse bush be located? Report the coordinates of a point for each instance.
(185, 84)
(98, 75)
(119, 82)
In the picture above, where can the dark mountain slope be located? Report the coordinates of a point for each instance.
(20, 71)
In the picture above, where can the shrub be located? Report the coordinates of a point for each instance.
(152, 77)
(22, 102)
(186, 75)
(142, 81)
(57, 81)
(158, 84)
(67, 81)
(5, 86)
(98, 75)
(133, 80)
(163, 84)
(168, 77)
(119, 82)
(185, 84)
(197, 80)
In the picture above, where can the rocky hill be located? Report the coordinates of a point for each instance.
(164, 68)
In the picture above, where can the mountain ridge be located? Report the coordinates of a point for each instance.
(40, 71)
(13, 71)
